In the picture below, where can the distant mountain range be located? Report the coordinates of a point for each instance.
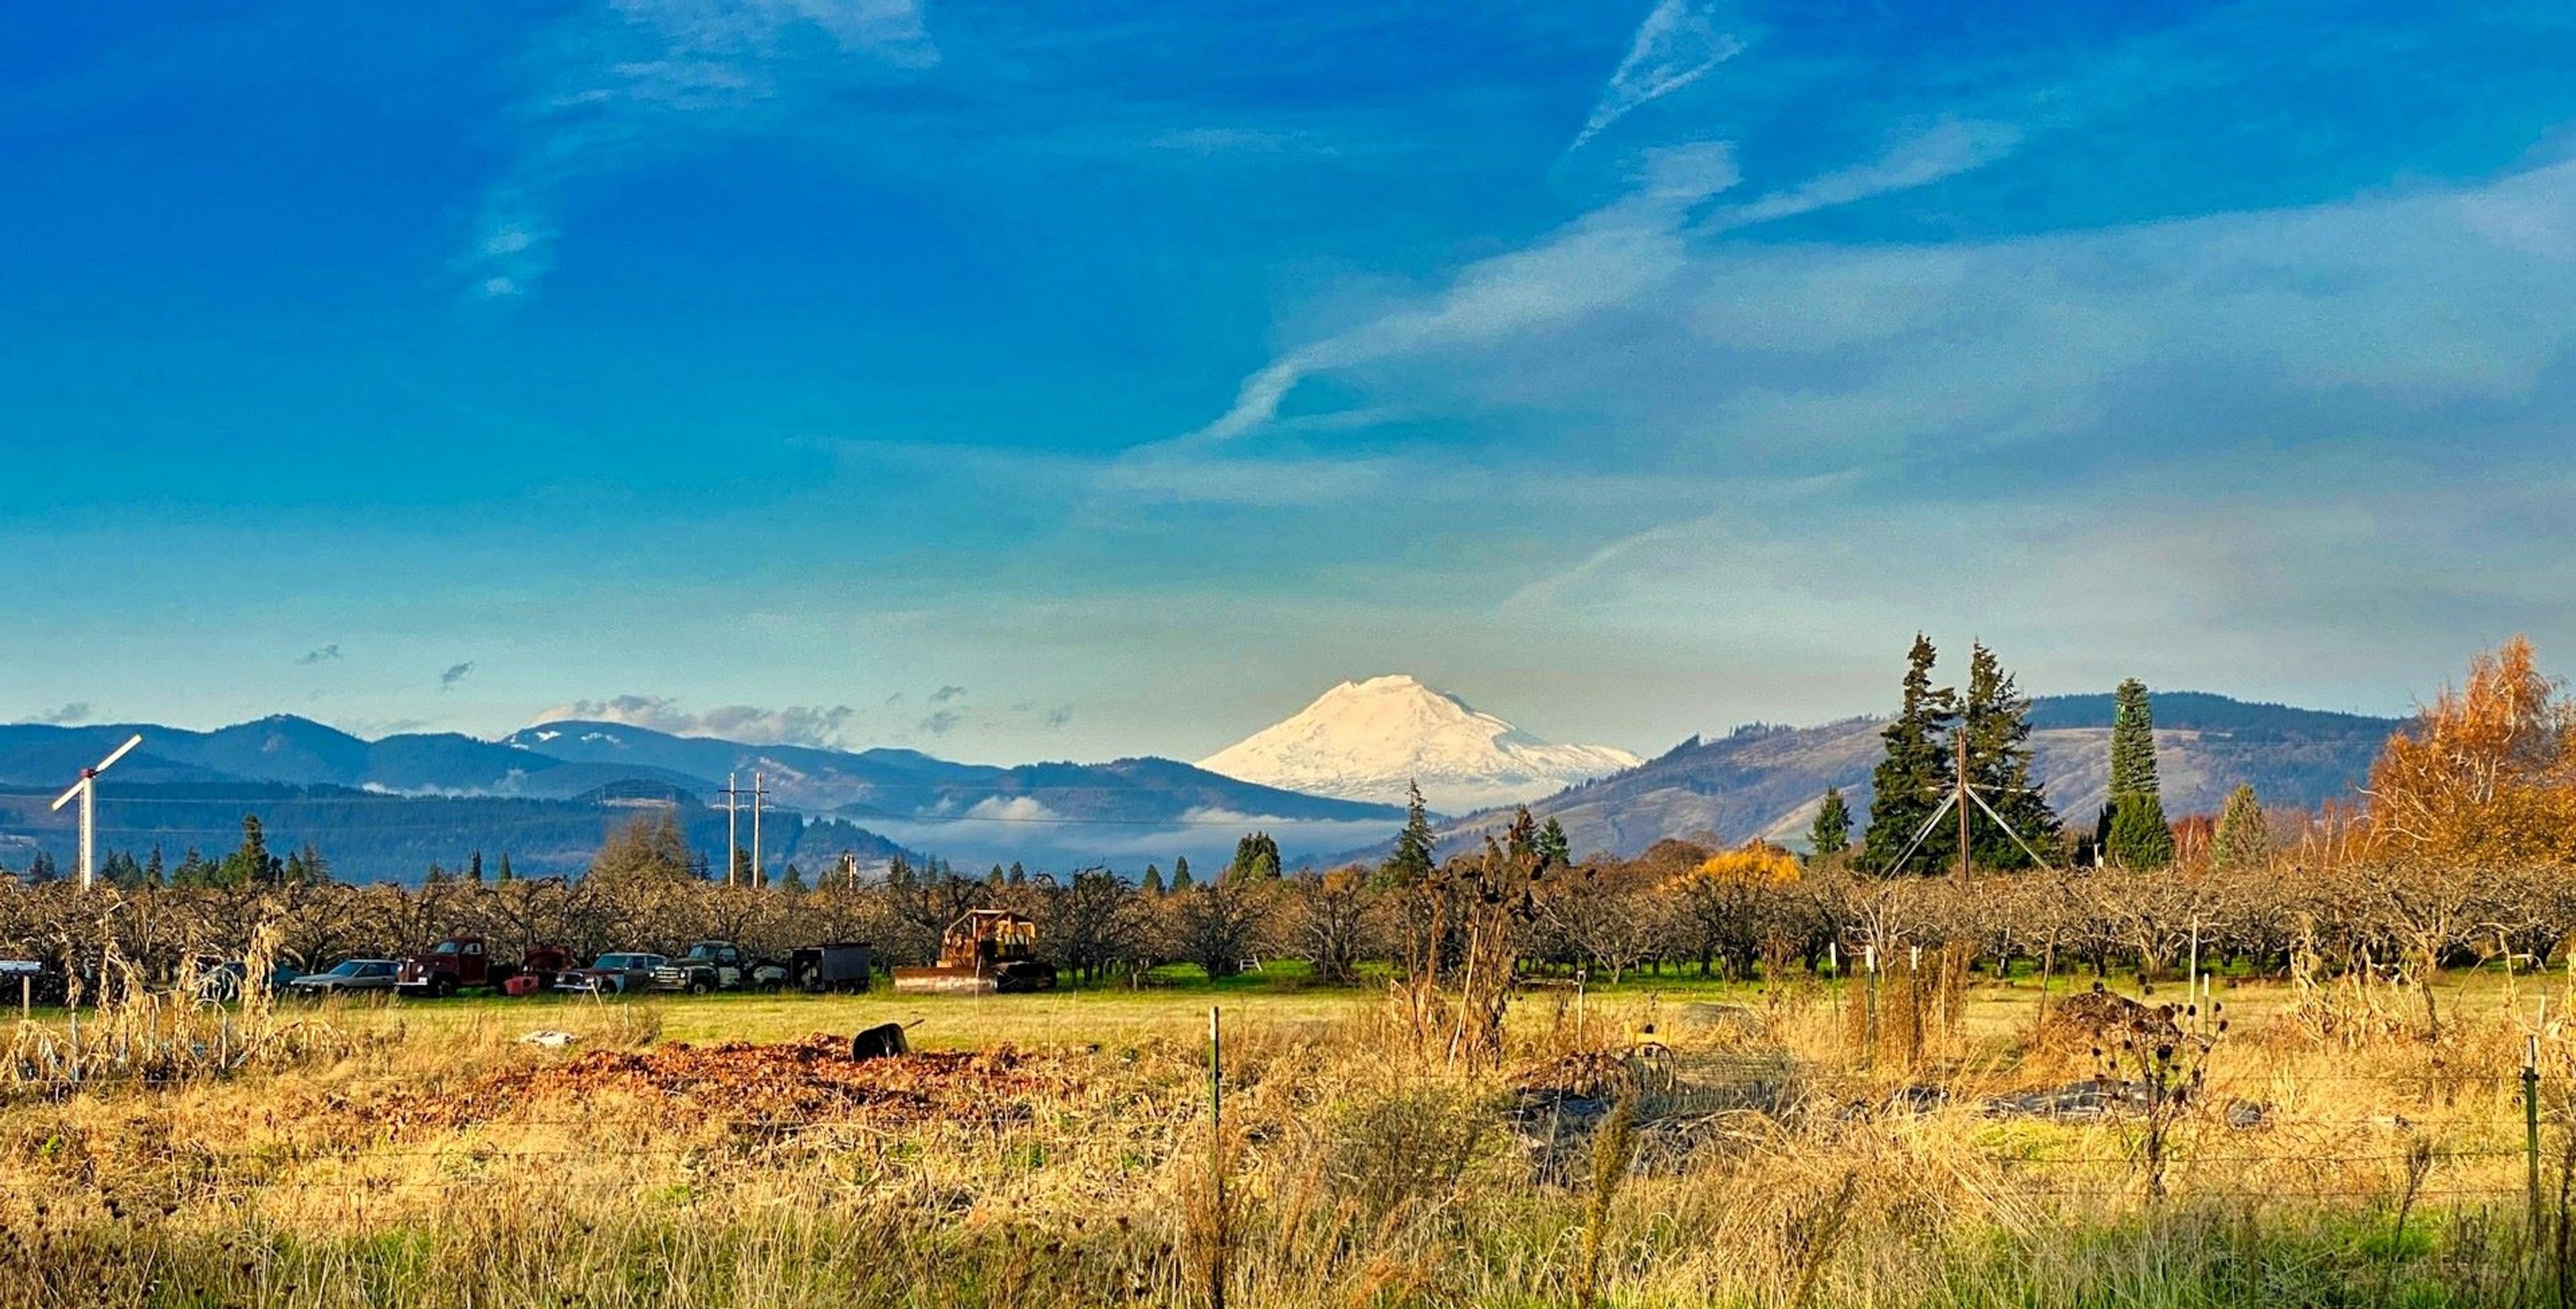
(1767, 781)
(1372, 740)
(547, 793)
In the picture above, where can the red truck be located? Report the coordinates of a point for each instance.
(465, 960)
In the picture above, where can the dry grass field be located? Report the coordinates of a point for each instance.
(1674, 1143)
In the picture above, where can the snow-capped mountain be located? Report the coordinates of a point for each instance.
(1369, 740)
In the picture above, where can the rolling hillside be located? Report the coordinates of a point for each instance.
(1767, 780)
(546, 794)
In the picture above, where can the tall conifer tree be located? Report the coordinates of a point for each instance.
(2137, 835)
(1909, 781)
(1995, 722)
(1553, 844)
(2241, 841)
(1831, 834)
(1411, 861)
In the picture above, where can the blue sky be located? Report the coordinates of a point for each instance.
(1009, 385)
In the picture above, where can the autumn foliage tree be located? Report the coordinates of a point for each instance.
(2487, 776)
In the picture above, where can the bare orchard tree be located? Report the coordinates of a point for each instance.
(1221, 923)
(1610, 913)
(1093, 921)
(1333, 922)
(2429, 908)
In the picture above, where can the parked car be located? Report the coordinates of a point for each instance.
(219, 981)
(613, 974)
(348, 975)
(718, 966)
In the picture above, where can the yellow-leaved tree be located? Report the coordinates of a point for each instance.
(1729, 909)
(2487, 776)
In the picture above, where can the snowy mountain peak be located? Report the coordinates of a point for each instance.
(1368, 740)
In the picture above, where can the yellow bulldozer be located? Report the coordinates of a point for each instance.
(985, 951)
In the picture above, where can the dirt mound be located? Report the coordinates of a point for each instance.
(810, 1079)
(2089, 1017)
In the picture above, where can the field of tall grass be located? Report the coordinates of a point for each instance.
(1931, 1142)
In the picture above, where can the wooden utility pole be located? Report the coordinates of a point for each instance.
(758, 793)
(733, 839)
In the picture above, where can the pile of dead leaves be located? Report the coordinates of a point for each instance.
(806, 1079)
(744, 1083)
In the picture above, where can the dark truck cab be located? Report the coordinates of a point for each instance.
(718, 966)
(465, 960)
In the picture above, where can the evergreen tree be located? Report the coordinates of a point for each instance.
(996, 878)
(2136, 834)
(649, 850)
(42, 869)
(505, 874)
(2133, 740)
(474, 868)
(1411, 861)
(153, 871)
(1831, 834)
(1018, 876)
(1255, 856)
(1914, 774)
(1181, 873)
(119, 869)
(791, 880)
(1553, 844)
(2242, 841)
(1153, 883)
(1995, 722)
(252, 864)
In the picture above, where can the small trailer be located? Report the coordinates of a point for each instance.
(986, 951)
(835, 966)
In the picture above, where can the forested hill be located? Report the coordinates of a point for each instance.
(386, 807)
(370, 836)
(1766, 780)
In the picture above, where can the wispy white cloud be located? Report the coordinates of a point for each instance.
(1617, 257)
(455, 673)
(626, 79)
(1679, 42)
(1591, 264)
(65, 716)
(1215, 140)
(1944, 150)
(318, 655)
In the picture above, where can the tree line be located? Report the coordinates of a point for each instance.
(2457, 850)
